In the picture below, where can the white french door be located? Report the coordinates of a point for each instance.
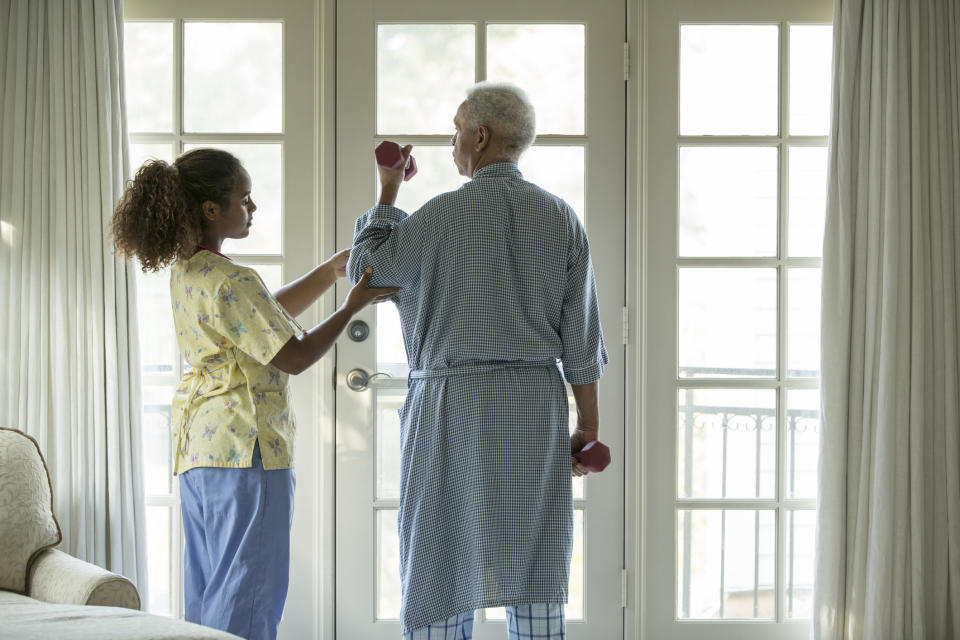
(737, 124)
(237, 76)
(402, 69)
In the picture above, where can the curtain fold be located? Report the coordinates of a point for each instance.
(70, 374)
(888, 533)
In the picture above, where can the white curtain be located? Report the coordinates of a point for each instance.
(888, 537)
(70, 374)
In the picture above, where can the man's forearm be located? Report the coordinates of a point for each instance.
(588, 406)
(388, 194)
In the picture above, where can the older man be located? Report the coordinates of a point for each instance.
(498, 287)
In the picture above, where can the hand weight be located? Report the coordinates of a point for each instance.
(595, 456)
(390, 156)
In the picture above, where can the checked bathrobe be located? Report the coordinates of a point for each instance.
(498, 308)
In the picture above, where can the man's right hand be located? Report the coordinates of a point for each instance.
(578, 440)
(390, 179)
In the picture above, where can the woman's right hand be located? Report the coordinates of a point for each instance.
(361, 295)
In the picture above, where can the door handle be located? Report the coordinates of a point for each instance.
(359, 380)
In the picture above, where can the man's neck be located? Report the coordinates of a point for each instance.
(482, 162)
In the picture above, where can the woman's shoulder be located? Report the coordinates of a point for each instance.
(213, 270)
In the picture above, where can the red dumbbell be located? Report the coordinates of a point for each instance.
(390, 156)
(595, 456)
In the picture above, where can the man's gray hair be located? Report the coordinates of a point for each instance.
(505, 108)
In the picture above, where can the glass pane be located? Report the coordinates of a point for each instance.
(157, 474)
(803, 323)
(141, 152)
(577, 483)
(388, 565)
(726, 443)
(728, 322)
(423, 72)
(148, 76)
(728, 201)
(811, 55)
(803, 441)
(728, 79)
(158, 559)
(725, 563)
(391, 353)
(573, 610)
(547, 61)
(264, 164)
(387, 445)
(559, 170)
(436, 174)
(801, 540)
(271, 274)
(233, 77)
(808, 200)
(158, 341)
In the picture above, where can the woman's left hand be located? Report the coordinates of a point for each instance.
(338, 263)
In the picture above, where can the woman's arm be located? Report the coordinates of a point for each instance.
(297, 296)
(298, 354)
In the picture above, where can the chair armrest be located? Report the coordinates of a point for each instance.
(59, 578)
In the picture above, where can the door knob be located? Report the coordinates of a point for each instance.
(358, 330)
(359, 380)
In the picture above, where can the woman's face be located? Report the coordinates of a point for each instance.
(236, 219)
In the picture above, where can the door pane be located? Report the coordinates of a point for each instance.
(436, 174)
(148, 76)
(388, 565)
(803, 435)
(811, 54)
(388, 403)
(728, 201)
(158, 559)
(727, 446)
(729, 79)
(547, 60)
(726, 563)
(263, 161)
(801, 540)
(391, 354)
(423, 72)
(157, 474)
(808, 200)
(728, 322)
(158, 353)
(559, 170)
(233, 77)
(803, 323)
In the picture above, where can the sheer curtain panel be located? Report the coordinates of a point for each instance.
(70, 371)
(888, 538)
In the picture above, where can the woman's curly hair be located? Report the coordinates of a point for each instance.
(158, 219)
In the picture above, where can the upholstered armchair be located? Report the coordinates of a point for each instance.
(29, 563)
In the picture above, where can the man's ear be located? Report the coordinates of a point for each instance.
(483, 137)
(210, 209)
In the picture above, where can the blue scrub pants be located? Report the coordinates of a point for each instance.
(236, 561)
(524, 622)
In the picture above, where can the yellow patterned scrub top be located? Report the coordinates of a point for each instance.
(229, 327)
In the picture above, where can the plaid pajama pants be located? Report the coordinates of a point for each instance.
(524, 622)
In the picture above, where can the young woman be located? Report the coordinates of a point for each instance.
(232, 420)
